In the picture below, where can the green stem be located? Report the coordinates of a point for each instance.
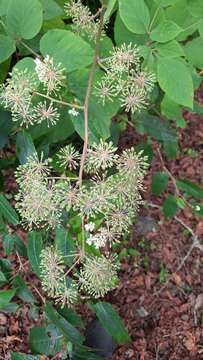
(61, 102)
(88, 94)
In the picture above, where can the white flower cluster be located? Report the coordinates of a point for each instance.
(114, 196)
(54, 281)
(37, 200)
(107, 201)
(98, 275)
(84, 21)
(50, 75)
(20, 93)
(124, 79)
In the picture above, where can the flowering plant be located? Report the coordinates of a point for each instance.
(77, 193)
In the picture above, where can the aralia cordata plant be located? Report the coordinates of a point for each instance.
(111, 192)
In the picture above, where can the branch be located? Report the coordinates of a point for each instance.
(59, 101)
(88, 94)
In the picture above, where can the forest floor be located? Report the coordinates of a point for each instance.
(161, 307)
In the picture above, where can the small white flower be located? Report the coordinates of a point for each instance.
(197, 208)
(73, 112)
(90, 226)
(49, 74)
(98, 240)
(45, 112)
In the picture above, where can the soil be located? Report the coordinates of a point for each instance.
(164, 317)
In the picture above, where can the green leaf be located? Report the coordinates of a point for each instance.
(3, 7)
(51, 9)
(35, 245)
(175, 79)
(170, 50)
(20, 247)
(190, 188)
(200, 28)
(170, 207)
(167, 30)
(159, 182)
(110, 9)
(123, 35)
(195, 7)
(20, 356)
(28, 64)
(44, 341)
(11, 308)
(5, 267)
(179, 13)
(23, 292)
(6, 296)
(161, 131)
(111, 321)
(67, 329)
(3, 279)
(4, 68)
(100, 128)
(24, 146)
(24, 18)
(193, 50)
(7, 46)
(165, 3)
(173, 111)
(7, 211)
(72, 317)
(65, 245)
(8, 243)
(64, 46)
(135, 15)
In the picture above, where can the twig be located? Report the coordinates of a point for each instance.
(88, 94)
(73, 265)
(76, 106)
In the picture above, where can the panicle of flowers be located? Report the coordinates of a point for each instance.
(125, 79)
(98, 275)
(120, 218)
(36, 205)
(46, 112)
(68, 157)
(19, 90)
(123, 59)
(111, 195)
(52, 270)
(100, 157)
(83, 20)
(105, 89)
(94, 200)
(133, 100)
(66, 195)
(34, 168)
(67, 294)
(36, 200)
(132, 164)
(16, 95)
(54, 280)
(49, 74)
